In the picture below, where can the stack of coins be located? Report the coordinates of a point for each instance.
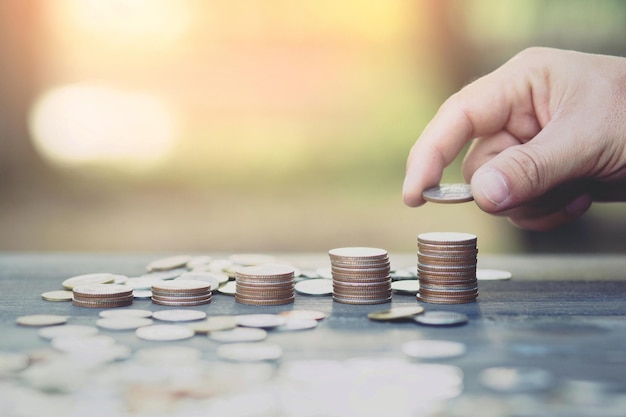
(265, 285)
(181, 293)
(360, 275)
(102, 295)
(446, 267)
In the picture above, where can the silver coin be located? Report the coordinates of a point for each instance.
(198, 261)
(213, 278)
(12, 362)
(123, 323)
(446, 238)
(441, 318)
(407, 286)
(449, 193)
(125, 312)
(303, 314)
(164, 332)
(229, 288)
(433, 349)
(250, 352)
(315, 286)
(71, 344)
(238, 335)
(142, 294)
(142, 283)
(168, 263)
(214, 324)
(492, 275)
(57, 296)
(262, 321)
(396, 313)
(179, 315)
(39, 320)
(358, 252)
(516, 380)
(69, 330)
(96, 278)
(297, 324)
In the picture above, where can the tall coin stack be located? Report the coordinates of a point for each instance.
(102, 296)
(181, 293)
(446, 267)
(265, 285)
(360, 275)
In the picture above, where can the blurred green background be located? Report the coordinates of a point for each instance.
(220, 126)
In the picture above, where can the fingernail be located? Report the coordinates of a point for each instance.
(492, 185)
(579, 205)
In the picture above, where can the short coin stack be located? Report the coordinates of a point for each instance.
(102, 295)
(265, 285)
(181, 293)
(446, 267)
(361, 275)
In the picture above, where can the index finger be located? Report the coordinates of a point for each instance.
(480, 108)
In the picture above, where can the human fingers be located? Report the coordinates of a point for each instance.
(501, 100)
(571, 211)
(484, 149)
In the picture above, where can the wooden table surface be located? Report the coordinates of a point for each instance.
(562, 313)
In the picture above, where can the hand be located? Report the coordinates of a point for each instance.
(549, 130)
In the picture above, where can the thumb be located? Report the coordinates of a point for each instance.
(524, 172)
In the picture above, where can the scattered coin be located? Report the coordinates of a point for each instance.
(433, 349)
(324, 272)
(315, 286)
(197, 261)
(123, 323)
(297, 324)
(57, 296)
(214, 324)
(166, 264)
(407, 286)
(250, 352)
(96, 278)
(263, 321)
(238, 335)
(492, 275)
(251, 259)
(69, 330)
(164, 332)
(39, 320)
(396, 313)
(143, 282)
(302, 314)
(441, 318)
(71, 344)
(229, 288)
(142, 294)
(12, 362)
(126, 312)
(449, 193)
(516, 380)
(179, 315)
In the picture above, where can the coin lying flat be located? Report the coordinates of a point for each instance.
(12, 362)
(238, 335)
(407, 286)
(297, 324)
(70, 330)
(37, 320)
(315, 286)
(441, 318)
(213, 324)
(123, 323)
(449, 193)
(250, 352)
(164, 332)
(492, 275)
(229, 288)
(303, 314)
(396, 313)
(433, 349)
(262, 321)
(96, 278)
(168, 263)
(57, 296)
(83, 344)
(179, 315)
